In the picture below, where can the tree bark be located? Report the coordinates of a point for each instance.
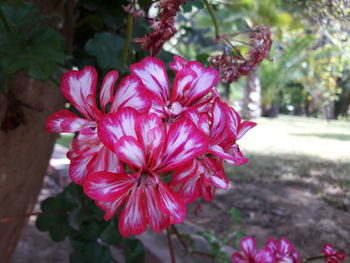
(252, 96)
(25, 146)
(25, 150)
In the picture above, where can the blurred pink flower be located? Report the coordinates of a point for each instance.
(331, 255)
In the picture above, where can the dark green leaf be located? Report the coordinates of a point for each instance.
(188, 6)
(107, 48)
(135, 251)
(235, 215)
(20, 15)
(239, 235)
(91, 252)
(111, 234)
(202, 58)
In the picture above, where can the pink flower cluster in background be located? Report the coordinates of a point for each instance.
(149, 147)
(232, 67)
(281, 251)
(163, 28)
(331, 255)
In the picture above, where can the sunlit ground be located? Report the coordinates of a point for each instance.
(299, 136)
(297, 150)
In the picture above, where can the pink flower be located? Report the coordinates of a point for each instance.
(232, 67)
(79, 87)
(163, 27)
(223, 127)
(193, 86)
(283, 251)
(332, 255)
(251, 254)
(149, 149)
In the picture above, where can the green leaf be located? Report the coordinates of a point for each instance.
(28, 45)
(111, 234)
(91, 252)
(135, 251)
(239, 235)
(188, 6)
(20, 15)
(235, 215)
(202, 58)
(107, 49)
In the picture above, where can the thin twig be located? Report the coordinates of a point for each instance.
(189, 249)
(182, 241)
(170, 244)
(313, 258)
(127, 41)
(213, 18)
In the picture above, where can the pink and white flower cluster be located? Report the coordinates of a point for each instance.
(281, 251)
(331, 255)
(149, 148)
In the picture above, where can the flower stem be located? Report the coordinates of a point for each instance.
(313, 258)
(170, 244)
(189, 249)
(213, 18)
(3, 19)
(127, 41)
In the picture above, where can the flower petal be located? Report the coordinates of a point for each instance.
(183, 174)
(156, 218)
(76, 86)
(149, 130)
(328, 250)
(133, 219)
(79, 168)
(110, 208)
(86, 143)
(190, 190)
(230, 158)
(284, 246)
(181, 86)
(244, 127)
(238, 258)
(131, 93)
(206, 80)
(107, 88)
(72, 123)
(218, 122)
(153, 75)
(271, 244)
(207, 191)
(129, 150)
(106, 186)
(115, 125)
(265, 256)
(178, 64)
(172, 204)
(248, 246)
(107, 161)
(184, 142)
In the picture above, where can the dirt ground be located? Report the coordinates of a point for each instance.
(278, 210)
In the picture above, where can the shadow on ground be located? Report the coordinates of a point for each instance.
(303, 199)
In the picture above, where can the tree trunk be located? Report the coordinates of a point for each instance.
(25, 150)
(25, 146)
(252, 96)
(328, 111)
